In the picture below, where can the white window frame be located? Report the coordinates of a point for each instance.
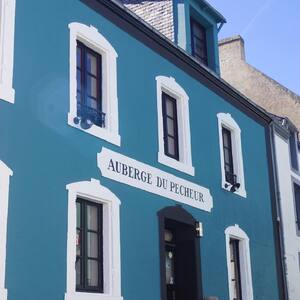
(5, 173)
(7, 32)
(95, 192)
(226, 120)
(172, 88)
(235, 232)
(90, 37)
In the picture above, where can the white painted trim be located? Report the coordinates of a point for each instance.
(171, 87)
(226, 120)
(94, 191)
(90, 36)
(7, 32)
(237, 233)
(5, 173)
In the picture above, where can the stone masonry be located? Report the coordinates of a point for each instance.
(254, 84)
(158, 14)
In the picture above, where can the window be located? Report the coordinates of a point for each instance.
(93, 84)
(293, 145)
(89, 98)
(179, 255)
(235, 271)
(93, 243)
(238, 264)
(7, 28)
(232, 167)
(5, 174)
(174, 138)
(297, 204)
(228, 159)
(89, 246)
(199, 44)
(169, 110)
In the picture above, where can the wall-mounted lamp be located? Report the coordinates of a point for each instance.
(199, 229)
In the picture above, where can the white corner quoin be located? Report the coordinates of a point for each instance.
(7, 32)
(225, 120)
(235, 232)
(169, 86)
(90, 36)
(95, 192)
(5, 173)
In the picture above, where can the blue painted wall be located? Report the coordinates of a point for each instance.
(46, 154)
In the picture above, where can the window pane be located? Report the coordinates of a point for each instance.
(91, 84)
(79, 51)
(78, 271)
(171, 146)
(226, 156)
(78, 213)
(170, 278)
(79, 87)
(92, 217)
(91, 64)
(169, 108)
(92, 103)
(92, 245)
(92, 273)
(78, 242)
(170, 126)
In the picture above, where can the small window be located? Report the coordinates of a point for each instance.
(93, 84)
(174, 137)
(238, 264)
(293, 144)
(169, 110)
(231, 156)
(297, 204)
(235, 271)
(199, 44)
(89, 97)
(89, 246)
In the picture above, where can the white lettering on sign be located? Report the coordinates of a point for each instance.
(129, 171)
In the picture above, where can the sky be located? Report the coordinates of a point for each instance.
(271, 30)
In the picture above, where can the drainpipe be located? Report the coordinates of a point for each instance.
(278, 216)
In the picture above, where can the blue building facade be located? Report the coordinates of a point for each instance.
(89, 139)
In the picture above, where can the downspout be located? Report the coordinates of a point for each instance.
(278, 217)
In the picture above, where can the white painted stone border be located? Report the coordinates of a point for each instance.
(172, 88)
(94, 191)
(237, 233)
(7, 33)
(226, 120)
(5, 173)
(90, 36)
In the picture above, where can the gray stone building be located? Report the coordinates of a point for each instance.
(254, 84)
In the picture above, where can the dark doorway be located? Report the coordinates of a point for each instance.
(179, 255)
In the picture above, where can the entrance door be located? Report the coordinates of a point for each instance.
(180, 266)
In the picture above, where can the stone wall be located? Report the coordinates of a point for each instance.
(254, 84)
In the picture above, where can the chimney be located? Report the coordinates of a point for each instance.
(232, 48)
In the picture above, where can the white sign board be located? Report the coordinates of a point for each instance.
(137, 174)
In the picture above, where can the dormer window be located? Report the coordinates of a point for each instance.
(198, 42)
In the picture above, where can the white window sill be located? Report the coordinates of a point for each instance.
(3, 294)
(175, 164)
(97, 131)
(90, 296)
(240, 192)
(7, 93)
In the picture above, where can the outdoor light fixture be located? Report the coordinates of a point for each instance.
(199, 229)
